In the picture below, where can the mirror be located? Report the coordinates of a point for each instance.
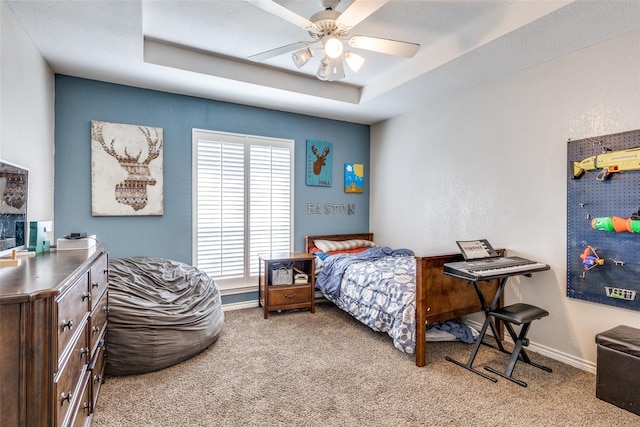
(14, 185)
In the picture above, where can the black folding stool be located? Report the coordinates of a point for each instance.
(517, 314)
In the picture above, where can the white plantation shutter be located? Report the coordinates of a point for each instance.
(243, 190)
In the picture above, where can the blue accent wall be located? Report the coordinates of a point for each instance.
(79, 101)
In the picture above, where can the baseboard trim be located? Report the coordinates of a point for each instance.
(552, 353)
(576, 362)
(240, 305)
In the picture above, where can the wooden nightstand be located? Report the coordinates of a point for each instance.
(278, 288)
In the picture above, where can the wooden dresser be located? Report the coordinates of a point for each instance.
(53, 321)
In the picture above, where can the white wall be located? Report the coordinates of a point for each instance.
(26, 113)
(491, 163)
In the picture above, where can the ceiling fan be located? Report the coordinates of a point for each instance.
(329, 30)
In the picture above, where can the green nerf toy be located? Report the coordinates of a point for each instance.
(617, 224)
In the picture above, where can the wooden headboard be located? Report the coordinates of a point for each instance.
(309, 240)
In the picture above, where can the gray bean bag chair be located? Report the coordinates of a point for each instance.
(161, 312)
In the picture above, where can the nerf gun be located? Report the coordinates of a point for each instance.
(617, 224)
(590, 261)
(609, 162)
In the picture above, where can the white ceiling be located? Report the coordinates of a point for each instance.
(200, 48)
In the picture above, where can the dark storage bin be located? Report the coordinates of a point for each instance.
(618, 368)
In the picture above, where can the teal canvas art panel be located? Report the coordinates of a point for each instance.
(354, 178)
(319, 160)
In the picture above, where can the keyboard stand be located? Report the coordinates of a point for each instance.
(488, 323)
(519, 314)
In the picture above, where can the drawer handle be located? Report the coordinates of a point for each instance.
(63, 398)
(67, 324)
(289, 295)
(86, 406)
(95, 329)
(95, 284)
(106, 309)
(97, 378)
(84, 351)
(86, 295)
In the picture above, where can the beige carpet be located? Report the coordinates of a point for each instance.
(326, 369)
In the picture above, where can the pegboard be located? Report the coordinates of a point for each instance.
(613, 277)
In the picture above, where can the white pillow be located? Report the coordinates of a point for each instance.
(327, 246)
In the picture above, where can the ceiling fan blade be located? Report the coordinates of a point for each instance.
(258, 57)
(284, 13)
(358, 11)
(388, 46)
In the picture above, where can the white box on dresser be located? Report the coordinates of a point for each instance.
(75, 244)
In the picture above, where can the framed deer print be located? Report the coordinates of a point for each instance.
(319, 159)
(126, 169)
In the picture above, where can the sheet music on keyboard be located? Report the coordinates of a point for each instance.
(493, 267)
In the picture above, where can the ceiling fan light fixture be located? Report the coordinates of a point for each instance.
(353, 60)
(323, 70)
(331, 28)
(330, 69)
(332, 46)
(336, 69)
(301, 57)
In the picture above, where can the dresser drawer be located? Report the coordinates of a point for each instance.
(68, 377)
(289, 295)
(84, 409)
(98, 321)
(97, 372)
(99, 278)
(72, 307)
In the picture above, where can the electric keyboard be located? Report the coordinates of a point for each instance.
(490, 268)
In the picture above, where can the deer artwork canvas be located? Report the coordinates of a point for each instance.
(319, 160)
(126, 169)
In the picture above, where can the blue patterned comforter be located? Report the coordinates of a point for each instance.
(379, 290)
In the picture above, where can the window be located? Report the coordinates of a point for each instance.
(243, 204)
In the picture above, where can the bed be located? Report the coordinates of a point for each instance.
(428, 295)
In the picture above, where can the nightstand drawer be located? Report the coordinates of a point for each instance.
(289, 295)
